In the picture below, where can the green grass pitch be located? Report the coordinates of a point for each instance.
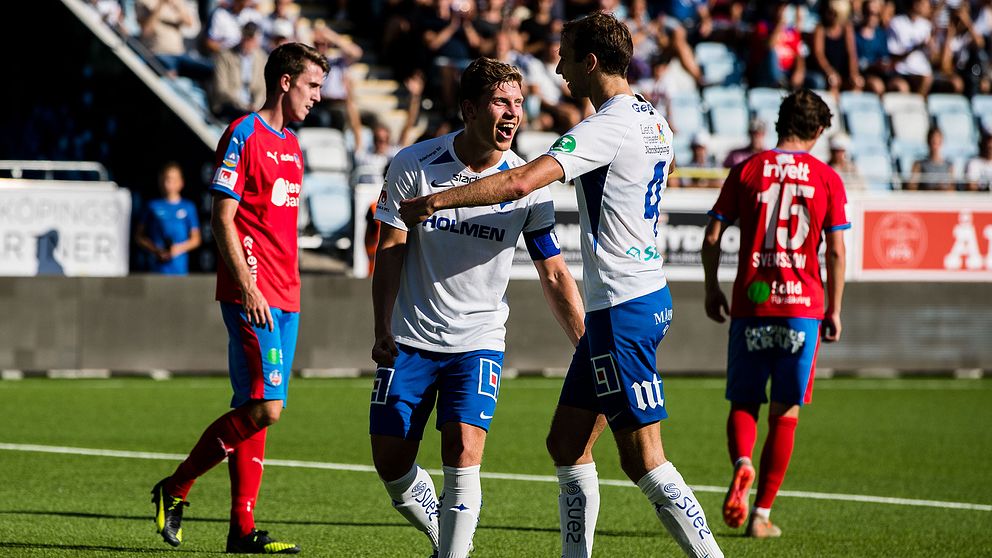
(920, 439)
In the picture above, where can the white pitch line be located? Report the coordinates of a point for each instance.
(497, 476)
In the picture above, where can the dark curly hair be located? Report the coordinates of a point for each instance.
(801, 114)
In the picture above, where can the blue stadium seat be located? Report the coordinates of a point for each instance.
(868, 124)
(729, 120)
(324, 182)
(324, 149)
(718, 63)
(859, 100)
(905, 153)
(329, 201)
(941, 103)
(908, 114)
(686, 113)
(721, 96)
(765, 98)
(876, 170)
(958, 128)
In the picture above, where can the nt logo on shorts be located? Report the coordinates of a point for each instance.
(489, 371)
(380, 385)
(648, 394)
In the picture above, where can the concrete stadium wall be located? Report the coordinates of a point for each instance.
(142, 323)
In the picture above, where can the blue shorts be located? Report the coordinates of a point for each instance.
(781, 348)
(614, 368)
(259, 360)
(464, 385)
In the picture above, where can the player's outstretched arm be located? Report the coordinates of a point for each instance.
(229, 246)
(508, 185)
(562, 295)
(836, 265)
(389, 256)
(716, 302)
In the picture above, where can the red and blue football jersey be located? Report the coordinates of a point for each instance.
(263, 170)
(785, 201)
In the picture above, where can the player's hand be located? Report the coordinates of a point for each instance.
(384, 351)
(163, 255)
(257, 309)
(716, 305)
(416, 210)
(831, 327)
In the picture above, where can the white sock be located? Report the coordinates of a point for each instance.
(763, 513)
(578, 509)
(679, 511)
(461, 501)
(415, 498)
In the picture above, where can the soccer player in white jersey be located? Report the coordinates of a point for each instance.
(619, 158)
(439, 297)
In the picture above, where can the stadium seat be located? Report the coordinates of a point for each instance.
(367, 174)
(719, 146)
(765, 98)
(859, 100)
(905, 153)
(941, 103)
(729, 120)
(981, 107)
(958, 128)
(320, 136)
(721, 96)
(531, 144)
(367, 140)
(836, 122)
(686, 113)
(876, 170)
(327, 157)
(866, 123)
(895, 102)
(323, 182)
(769, 116)
(717, 62)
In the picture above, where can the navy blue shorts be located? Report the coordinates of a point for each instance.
(783, 349)
(465, 387)
(614, 368)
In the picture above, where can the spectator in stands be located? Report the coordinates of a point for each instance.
(169, 227)
(963, 60)
(451, 38)
(491, 20)
(777, 55)
(978, 172)
(911, 46)
(280, 25)
(558, 110)
(226, 24)
(239, 76)
(110, 13)
(934, 172)
(536, 31)
(871, 44)
(834, 62)
(701, 161)
(669, 79)
(692, 15)
(756, 133)
(337, 108)
(164, 24)
(651, 37)
(840, 146)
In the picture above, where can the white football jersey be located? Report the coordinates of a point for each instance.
(620, 158)
(452, 295)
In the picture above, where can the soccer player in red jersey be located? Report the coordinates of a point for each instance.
(786, 201)
(256, 187)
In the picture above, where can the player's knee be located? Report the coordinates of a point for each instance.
(562, 451)
(267, 413)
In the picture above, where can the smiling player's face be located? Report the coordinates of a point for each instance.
(498, 115)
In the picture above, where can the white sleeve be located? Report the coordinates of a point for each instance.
(402, 182)
(540, 211)
(591, 144)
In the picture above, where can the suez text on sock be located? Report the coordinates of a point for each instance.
(575, 505)
(691, 508)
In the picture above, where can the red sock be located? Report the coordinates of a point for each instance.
(775, 458)
(217, 441)
(245, 465)
(742, 430)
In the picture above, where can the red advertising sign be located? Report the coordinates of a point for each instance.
(949, 244)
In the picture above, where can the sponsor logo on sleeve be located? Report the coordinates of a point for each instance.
(226, 177)
(275, 378)
(565, 144)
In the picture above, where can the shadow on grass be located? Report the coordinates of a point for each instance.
(94, 548)
(483, 526)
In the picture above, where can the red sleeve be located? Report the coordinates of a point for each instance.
(229, 170)
(836, 216)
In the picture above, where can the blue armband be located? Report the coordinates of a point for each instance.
(542, 244)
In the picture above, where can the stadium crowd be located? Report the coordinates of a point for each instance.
(861, 53)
